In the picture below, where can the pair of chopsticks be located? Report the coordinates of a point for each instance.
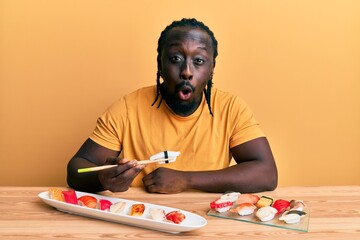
(142, 162)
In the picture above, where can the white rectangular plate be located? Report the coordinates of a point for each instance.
(192, 221)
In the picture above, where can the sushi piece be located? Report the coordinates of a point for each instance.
(117, 207)
(298, 212)
(56, 194)
(297, 205)
(230, 196)
(281, 205)
(70, 196)
(175, 216)
(157, 214)
(244, 209)
(137, 209)
(87, 201)
(221, 205)
(264, 201)
(247, 198)
(266, 213)
(104, 204)
(292, 216)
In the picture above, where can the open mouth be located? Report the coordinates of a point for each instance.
(185, 92)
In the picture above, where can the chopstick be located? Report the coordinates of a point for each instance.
(143, 162)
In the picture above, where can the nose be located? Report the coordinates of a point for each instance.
(186, 71)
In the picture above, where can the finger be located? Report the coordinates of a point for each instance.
(112, 160)
(152, 189)
(127, 176)
(123, 161)
(123, 167)
(148, 181)
(119, 178)
(115, 160)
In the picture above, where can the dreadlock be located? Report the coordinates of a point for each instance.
(185, 22)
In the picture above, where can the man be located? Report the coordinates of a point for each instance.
(183, 113)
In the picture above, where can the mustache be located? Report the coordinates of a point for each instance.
(184, 84)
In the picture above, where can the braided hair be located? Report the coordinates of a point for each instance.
(185, 22)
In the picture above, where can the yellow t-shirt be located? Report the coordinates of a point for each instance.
(137, 129)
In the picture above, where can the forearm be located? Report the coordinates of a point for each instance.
(251, 176)
(88, 182)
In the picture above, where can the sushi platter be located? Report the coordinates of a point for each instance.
(124, 211)
(264, 210)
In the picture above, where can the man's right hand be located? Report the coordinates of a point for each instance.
(119, 179)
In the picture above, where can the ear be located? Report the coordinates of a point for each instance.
(159, 72)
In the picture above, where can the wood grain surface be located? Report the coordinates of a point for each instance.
(335, 215)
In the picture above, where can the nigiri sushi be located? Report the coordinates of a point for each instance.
(297, 205)
(104, 204)
(117, 207)
(264, 201)
(137, 209)
(231, 196)
(221, 205)
(244, 209)
(292, 216)
(281, 205)
(175, 216)
(157, 214)
(247, 198)
(225, 201)
(266, 213)
(70, 196)
(56, 194)
(88, 201)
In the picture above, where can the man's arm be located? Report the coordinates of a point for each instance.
(117, 179)
(255, 171)
(90, 154)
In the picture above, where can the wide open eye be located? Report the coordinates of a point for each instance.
(175, 59)
(199, 61)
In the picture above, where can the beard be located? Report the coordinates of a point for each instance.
(182, 108)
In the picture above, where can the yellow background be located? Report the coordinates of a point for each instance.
(297, 64)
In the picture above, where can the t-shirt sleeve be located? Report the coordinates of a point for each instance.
(244, 125)
(110, 126)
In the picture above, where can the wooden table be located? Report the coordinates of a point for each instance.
(335, 215)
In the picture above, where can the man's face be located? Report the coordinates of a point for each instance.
(187, 64)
